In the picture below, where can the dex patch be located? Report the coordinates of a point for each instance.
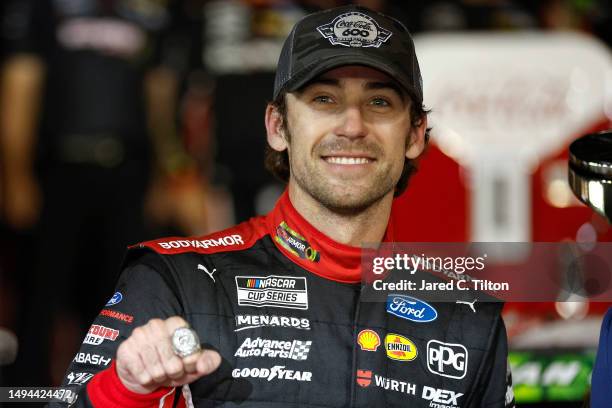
(272, 291)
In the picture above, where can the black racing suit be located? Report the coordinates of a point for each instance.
(281, 303)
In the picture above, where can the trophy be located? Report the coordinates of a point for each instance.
(590, 171)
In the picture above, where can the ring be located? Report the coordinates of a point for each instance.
(185, 342)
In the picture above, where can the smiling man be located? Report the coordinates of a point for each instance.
(269, 313)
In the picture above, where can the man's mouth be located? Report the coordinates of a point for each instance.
(347, 160)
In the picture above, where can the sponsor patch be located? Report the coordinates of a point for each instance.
(400, 348)
(292, 349)
(95, 359)
(273, 373)
(117, 297)
(409, 308)
(436, 396)
(272, 291)
(228, 240)
(368, 340)
(97, 334)
(295, 243)
(78, 378)
(354, 29)
(447, 359)
(244, 322)
(364, 378)
(117, 315)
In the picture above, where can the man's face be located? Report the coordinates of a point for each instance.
(347, 136)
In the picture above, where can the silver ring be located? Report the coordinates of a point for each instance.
(185, 342)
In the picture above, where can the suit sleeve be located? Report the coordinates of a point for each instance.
(601, 381)
(497, 377)
(145, 290)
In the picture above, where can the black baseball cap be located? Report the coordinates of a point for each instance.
(348, 35)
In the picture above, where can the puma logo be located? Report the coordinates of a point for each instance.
(203, 268)
(470, 304)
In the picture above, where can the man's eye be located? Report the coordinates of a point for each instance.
(322, 99)
(380, 102)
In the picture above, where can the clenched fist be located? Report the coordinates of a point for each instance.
(146, 360)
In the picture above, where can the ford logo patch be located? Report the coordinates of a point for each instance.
(117, 297)
(410, 308)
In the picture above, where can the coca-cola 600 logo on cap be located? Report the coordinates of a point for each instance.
(354, 30)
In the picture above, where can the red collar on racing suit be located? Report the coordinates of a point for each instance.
(295, 237)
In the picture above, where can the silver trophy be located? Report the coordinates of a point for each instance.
(590, 171)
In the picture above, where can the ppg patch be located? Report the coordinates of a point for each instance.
(286, 292)
(354, 30)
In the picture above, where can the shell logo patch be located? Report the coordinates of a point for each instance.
(400, 348)
(368, 340)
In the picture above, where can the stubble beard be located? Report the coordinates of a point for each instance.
(346, 199)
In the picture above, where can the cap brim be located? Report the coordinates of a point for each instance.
(345, 59)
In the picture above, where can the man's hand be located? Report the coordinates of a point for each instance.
(146, 360)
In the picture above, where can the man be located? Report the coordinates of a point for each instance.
(276, 300)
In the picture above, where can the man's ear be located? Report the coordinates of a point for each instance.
(275, 129)
(416, 145)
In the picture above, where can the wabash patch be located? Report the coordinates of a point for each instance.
(286, 292)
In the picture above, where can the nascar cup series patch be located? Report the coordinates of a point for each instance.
(287, 292)
(354, 30)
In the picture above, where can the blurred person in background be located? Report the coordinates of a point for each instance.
(601, 380)
(88, 129)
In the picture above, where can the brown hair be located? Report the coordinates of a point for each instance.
(278, 162)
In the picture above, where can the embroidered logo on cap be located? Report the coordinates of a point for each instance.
(354, 30)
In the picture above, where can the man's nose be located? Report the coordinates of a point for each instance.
(352, 124)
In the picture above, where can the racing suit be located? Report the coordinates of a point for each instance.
(280, 302)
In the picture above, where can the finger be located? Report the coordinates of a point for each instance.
(129, 362)
(171, 362)
(144, 342)
(190, 362)
(144, 377)
(208, 362)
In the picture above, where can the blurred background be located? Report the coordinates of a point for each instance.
(126, 120)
